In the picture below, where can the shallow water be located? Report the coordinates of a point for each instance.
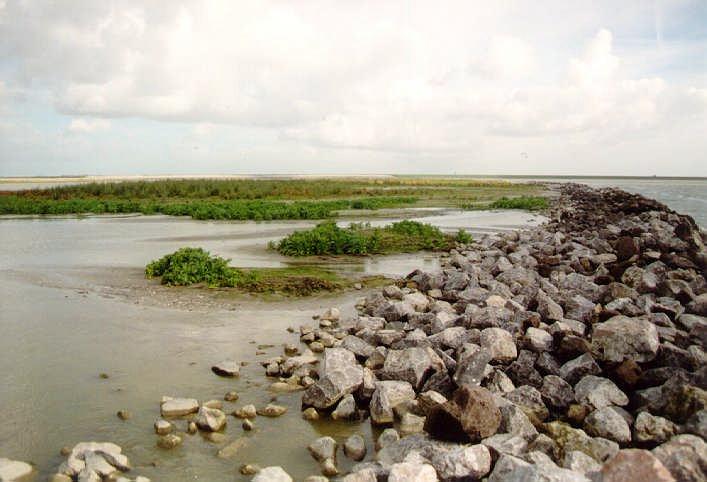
(63, 322)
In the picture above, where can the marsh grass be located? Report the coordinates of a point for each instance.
(193, 266)
(224, 210)
(529, 203)
(328, 238)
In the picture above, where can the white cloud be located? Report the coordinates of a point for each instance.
(461, 78)
(83, 125)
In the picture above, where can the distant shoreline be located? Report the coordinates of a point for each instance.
(141, 177)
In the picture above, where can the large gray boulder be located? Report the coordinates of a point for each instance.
(461, 463)
(608, 423)
(412, 472)
(685, 456)
(622, 338)
(599, 392)
(387, 395)
(340, 375)
(412, 365)
(499, 343)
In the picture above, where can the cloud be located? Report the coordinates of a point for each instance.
(461, 79)
(87, 126)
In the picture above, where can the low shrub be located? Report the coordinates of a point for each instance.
(237, 210)
(463, 237)
(530, 203)
(328, 238)
(188, 266)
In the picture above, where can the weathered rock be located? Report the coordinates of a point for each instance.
(506, 443)
(418, 301)
(14, 470)
(538, 340)
(310, 414)
(685, 456)
(599, 392)
(387, 437)
(411, 423)
(461, 463)
(575, 369)
(548, 308)
(340, 375)
(272, 474)
(346, 409)
(412, 472)
(651, 428)
(499, 344)
(530, 401)
(272, 410)
(231, 449)
(621, 338)
(169, 441)
(355, 447)
(227, 368)
(210, 419)
(635, 465)
(472, 367)
(328, 467)
(514, 421)
(177, 407)
(362, 475)
(246, 411)
(412, 365)
(569, 439)
(387, 395)
(470, 415)
(580, 462)
(556, 392)
(323, 448)
(607, 423)
(357, 346)
(163, 427)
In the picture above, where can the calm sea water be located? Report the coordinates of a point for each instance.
(686, 196)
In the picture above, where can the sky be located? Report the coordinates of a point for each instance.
(539, 87)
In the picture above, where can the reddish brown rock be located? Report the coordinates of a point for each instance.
(635, 465)
(471, 415)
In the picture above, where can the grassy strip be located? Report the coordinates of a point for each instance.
(243, 189)
(230, 210)
(530, 203)
(194, 266)
(359, 239)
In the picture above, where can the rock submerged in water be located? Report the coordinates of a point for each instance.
(14, 470)
(210, 419)
(272, 474)
(177, 407)
(227, 368)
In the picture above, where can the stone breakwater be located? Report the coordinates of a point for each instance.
(574, 351)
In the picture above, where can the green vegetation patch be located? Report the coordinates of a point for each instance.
(194, 266)
(188, 266)
(223, 210)
(530, 203)
(328, 238)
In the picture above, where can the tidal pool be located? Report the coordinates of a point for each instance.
(74, 304)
